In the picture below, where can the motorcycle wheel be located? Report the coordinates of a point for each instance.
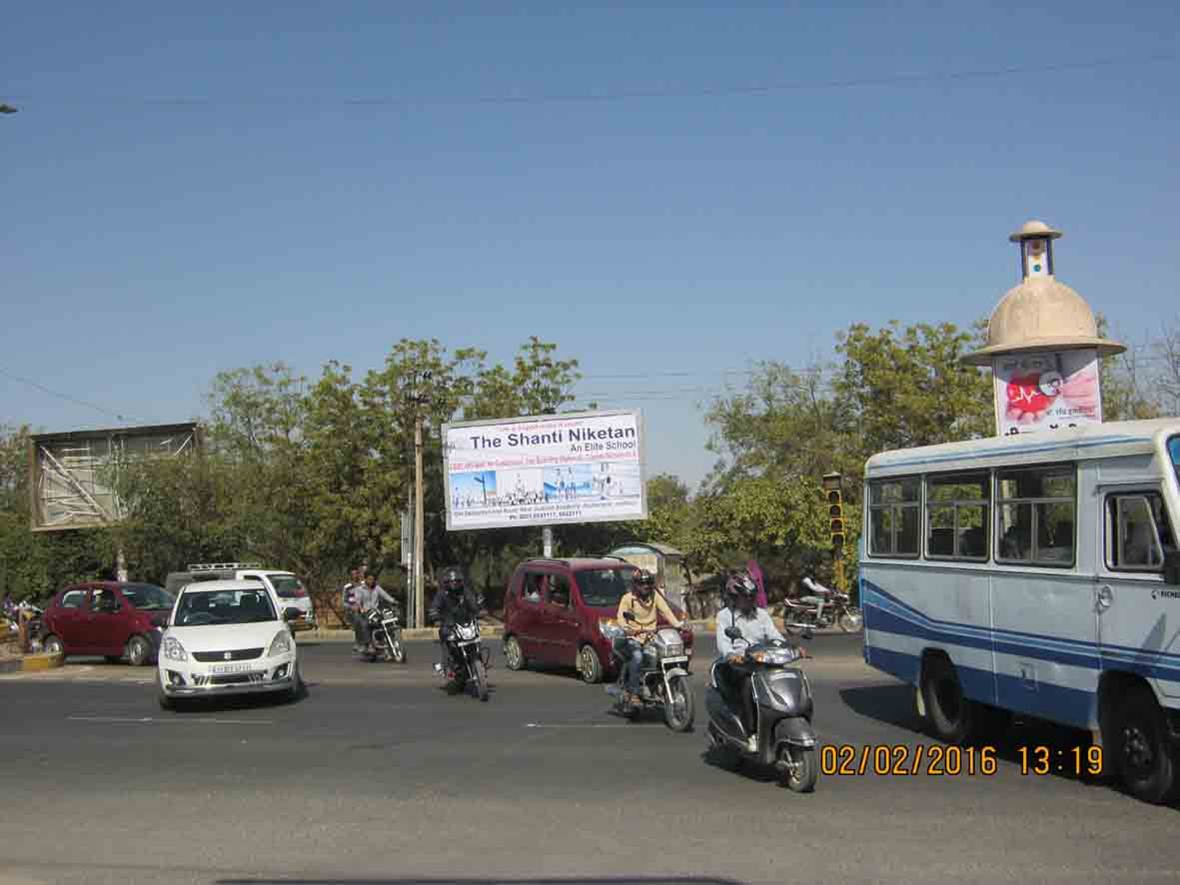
(851, 620)
(800, 776)
(399, 652)
(678, 708)
(481, 680)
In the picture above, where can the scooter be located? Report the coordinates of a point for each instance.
(783, 708)
(663, 678)
(823, 608)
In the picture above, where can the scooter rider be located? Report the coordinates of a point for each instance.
(452, 599)
(755, 626)
(645, 606)
(367, 597)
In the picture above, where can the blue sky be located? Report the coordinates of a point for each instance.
(343, 175)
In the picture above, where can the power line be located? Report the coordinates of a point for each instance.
(307, 100)
(63, 396)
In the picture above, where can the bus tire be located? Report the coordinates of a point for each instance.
(1144, 759)
(951, 716)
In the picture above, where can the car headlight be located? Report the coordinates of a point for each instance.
(173, 650)
(280, 645)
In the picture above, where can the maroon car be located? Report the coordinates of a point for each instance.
(117, 620)
(553, 610)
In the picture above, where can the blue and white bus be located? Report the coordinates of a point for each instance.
(1035, 574)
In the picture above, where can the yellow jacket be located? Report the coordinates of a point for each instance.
(646, 615)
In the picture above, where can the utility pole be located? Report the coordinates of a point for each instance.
(419, 544)
(419, 495)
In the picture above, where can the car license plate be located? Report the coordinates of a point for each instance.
(221, 669)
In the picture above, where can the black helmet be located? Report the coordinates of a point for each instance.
(740, 585)
(643, 581)
(451, 580)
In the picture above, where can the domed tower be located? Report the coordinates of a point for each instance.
(1043, 346)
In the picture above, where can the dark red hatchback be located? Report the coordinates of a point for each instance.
(554, 609)
(117, 620)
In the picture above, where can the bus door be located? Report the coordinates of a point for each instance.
(1138, 614)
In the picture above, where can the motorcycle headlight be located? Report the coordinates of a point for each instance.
(173, 650)
(280, 645)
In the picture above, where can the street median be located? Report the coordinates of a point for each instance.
(31, 663)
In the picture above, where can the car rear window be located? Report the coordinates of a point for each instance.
(288, 586)
(604, 587)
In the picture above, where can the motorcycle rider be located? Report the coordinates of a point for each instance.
(646, 605)
(452, 600)
(755, 625)
(348, 605)
(366, 598)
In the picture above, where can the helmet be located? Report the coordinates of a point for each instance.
(451, 580)
(739, 585)
(643, 581)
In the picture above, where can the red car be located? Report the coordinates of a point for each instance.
(553, 610)
(117, 620)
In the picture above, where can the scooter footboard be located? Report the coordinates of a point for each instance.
(721, 714)
(794, 730)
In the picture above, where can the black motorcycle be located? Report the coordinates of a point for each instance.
(385, 636)
(467, 659)
(783, 709)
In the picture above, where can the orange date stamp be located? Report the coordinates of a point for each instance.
(902, 760)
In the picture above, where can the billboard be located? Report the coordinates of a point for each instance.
(544, 470)
(1046, 390)
(73, 477)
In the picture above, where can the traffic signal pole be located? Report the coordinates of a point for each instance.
(831, 485)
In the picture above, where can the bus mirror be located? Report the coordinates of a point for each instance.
(1172, 568)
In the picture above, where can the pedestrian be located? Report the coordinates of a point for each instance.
(755, 572)
(349, 603)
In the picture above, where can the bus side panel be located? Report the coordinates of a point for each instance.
(911, 609)
(1047, 661)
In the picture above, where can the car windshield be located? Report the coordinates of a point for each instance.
(287, 586)
(198, 608)
(604, 587)
(148, 597)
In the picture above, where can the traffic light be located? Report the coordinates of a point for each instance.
(836, 520)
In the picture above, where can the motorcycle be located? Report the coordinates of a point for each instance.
(823, 608)
(663, 677)
(385, 635)
(468, 660)
(783, 708)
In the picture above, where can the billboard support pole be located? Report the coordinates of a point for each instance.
(547, 541)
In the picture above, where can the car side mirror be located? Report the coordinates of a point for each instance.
(292, 614)
(733, 632)
(1172, 567)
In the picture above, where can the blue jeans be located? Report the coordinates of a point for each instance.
(632, 664)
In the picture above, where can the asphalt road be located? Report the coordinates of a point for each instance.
(379, 776)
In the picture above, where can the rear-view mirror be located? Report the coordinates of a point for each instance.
(292, 614)
(628, 616)
(733, 632)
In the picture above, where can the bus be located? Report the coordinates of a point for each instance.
(1034, 575)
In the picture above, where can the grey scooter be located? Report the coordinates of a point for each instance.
(783, 708)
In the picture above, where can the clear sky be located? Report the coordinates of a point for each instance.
(196, 187)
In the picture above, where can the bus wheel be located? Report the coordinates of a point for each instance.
(1143, 755)
(950, 713)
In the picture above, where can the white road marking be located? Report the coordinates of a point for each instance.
(575, 725)
(170, 720)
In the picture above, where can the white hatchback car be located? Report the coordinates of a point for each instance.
(227, 638)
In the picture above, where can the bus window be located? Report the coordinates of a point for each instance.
(1035, 509)
(957, 508)
(894, 517)
(1138, 532)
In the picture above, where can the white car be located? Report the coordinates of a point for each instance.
(227, 638)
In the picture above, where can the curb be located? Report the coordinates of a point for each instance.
(31, 663)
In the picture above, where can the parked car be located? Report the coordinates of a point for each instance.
(554, 610)
(121, 621)
(286, 586)
(227, 638)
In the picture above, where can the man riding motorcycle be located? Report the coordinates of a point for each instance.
(366, 598)
(755, 626)
(646, 606)
(452, 600)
